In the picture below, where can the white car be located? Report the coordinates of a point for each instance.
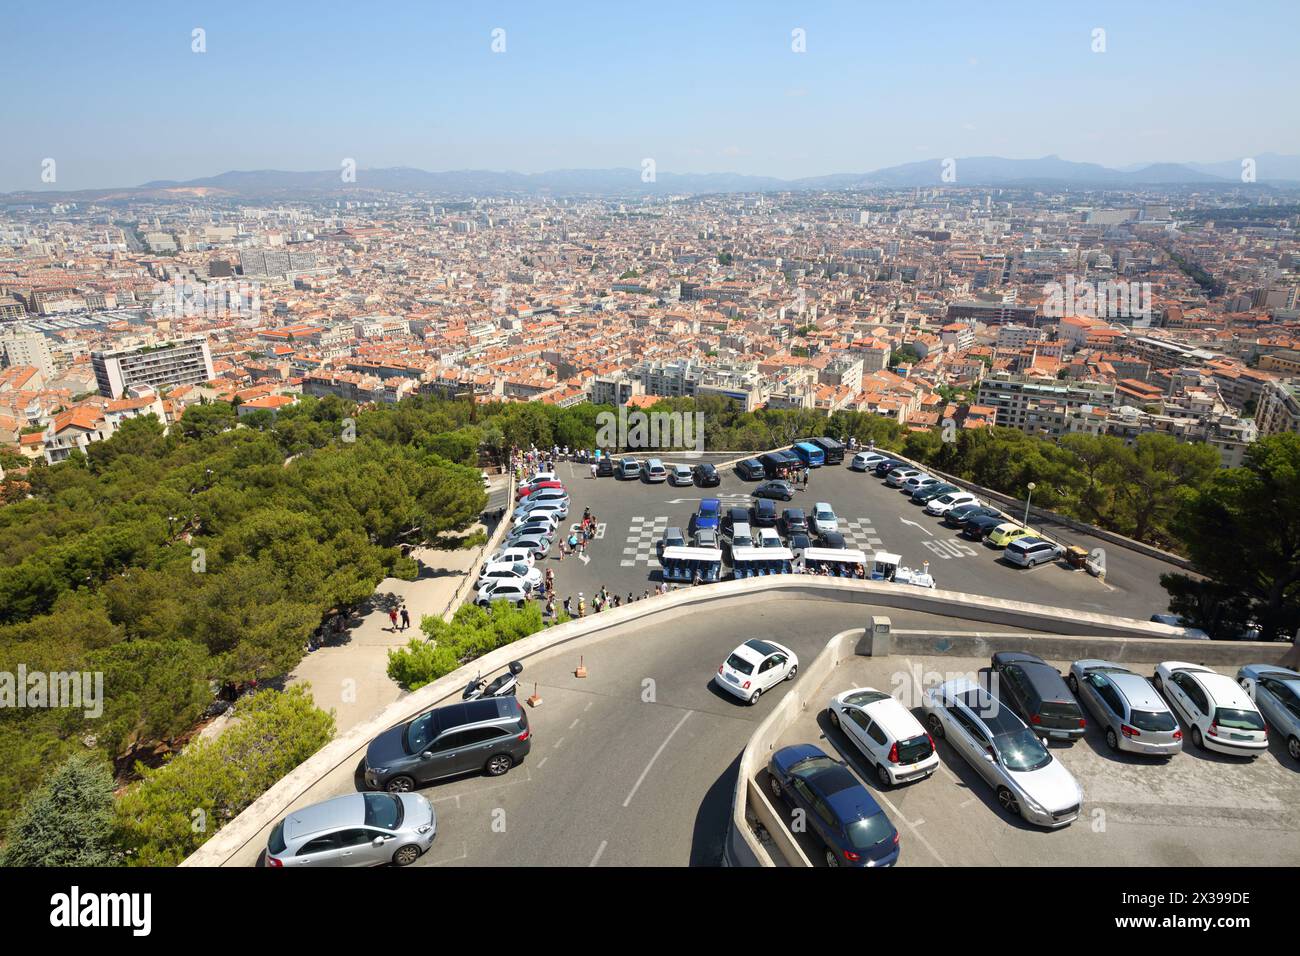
(886, 733)
(681, 475)
(514, 590)
(511, 555)
(945, 503)
(542, 476)
(865, 461)
(560, 509)
(1028, 779)
(487, 482)
(547, 521)
(914, 484)
(899, 475)
(823, 518)
(1217, 711)
(754, 667)
(509, 571)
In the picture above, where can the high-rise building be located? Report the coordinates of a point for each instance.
(27, 348)
(185, 362)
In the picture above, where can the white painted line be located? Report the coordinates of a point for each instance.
(541, 762)
(646, 771)
(588, 707)
(464, 854)
(558, 742)
(576, 721)
(596, 859)
(913, 827)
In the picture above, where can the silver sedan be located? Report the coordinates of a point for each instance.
(1276, 692)
(1133, 716)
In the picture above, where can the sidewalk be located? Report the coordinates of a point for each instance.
(351, 675)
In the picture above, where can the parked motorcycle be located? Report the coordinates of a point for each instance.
(503, 686)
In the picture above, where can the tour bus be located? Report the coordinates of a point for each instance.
(680, 565)
(810, 454)
(779, 464)
(835, 562)
(831, 449)
(760, 562)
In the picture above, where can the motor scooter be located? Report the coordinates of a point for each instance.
(503, 686)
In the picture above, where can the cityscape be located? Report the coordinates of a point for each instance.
(551, 508)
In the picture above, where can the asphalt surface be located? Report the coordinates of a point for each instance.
(636, 763)
(631, 516)
(1198, 809)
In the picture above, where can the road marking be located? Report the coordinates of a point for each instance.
(576, 721)
(646, 771)
(558, 742)
(913, 827)
(588, 707)
(596, 859)
(915, 525)
(541, 762)
(464, 854)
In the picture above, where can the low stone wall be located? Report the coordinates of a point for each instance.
(498, 533)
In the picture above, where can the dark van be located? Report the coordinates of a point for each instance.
(778, 463)
(1036, 691)
(832, 451)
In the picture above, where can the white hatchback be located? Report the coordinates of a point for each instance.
(1217, 711)
(945, 503)
(886, 733)
(754, 667)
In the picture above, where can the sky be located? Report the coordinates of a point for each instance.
(115, 94)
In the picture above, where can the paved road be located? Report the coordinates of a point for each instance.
(631, 517)
(1199, 809)
(636, 763)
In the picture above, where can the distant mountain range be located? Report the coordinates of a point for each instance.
(1049, 171)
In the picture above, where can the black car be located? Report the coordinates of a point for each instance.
(763, 514)
(488, 736)
(793, 520)
(831, 539)
(1036, 691)
(799, 542)
(605, 467)
(957, 517)
(706, 475)
(885, 467)
(733, 517)
(775, 489)
(977, 528)
(751, 469)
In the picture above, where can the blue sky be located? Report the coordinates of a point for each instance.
(114, 94)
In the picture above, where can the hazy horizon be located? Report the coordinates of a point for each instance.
(300, 87)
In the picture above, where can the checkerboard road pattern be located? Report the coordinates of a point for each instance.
(860, 534)
(643, 538)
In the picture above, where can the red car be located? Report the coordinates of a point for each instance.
(526, 490)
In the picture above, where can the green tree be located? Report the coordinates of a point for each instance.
(67, 820)
(1242, 530)
(175, 808)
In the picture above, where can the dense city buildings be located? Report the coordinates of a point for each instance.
(1049, 312)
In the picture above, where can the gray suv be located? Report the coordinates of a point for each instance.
(485, 736)
(359, 829)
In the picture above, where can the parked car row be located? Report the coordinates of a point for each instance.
(975, 520)
(654, 471)
(510, 573)
(389, 823)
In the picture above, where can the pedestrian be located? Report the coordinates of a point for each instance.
(568, 606)
(550, 608)
(582, 605)
(630, 598)
(593, 469)
(647, 594)
(392, 616)
(406, 618)
(615, 601)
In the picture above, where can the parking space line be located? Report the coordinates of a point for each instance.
(641, 779)
(596, 859)
(464, 854)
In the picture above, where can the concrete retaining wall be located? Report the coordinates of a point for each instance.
(471, 577)
(750, 799)
(240, 841)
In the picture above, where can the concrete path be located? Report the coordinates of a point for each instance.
(351, 675)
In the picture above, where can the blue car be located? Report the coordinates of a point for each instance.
(709, 515)
(839, 809)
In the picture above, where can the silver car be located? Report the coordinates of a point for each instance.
(1132, 714)
(358, 829)
(1276, 692)
(1028, 780)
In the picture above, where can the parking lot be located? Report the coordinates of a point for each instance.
(1198, 809)
(632, 516)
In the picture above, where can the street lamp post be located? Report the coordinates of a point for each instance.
(1028, 498)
